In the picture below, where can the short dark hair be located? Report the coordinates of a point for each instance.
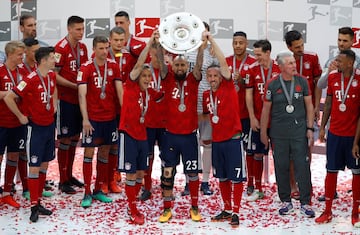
(349, 54)
(74, 20)
(346, 30)
(29, 42)
(264, 44)
(291, 36)
(117, 30)
(240, 34)
(207, 26)
(43, 52)
(213, 65)
(99, 39)
(24, 17)
(122, 13)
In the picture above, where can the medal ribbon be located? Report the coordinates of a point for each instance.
(146, 106)
(286, 93)
(76, 55)
(263, 73)
(11, 76)
(182, 92)
(157, 82)
(47, 90)
(27, 66)
(102, 81)
(344, 96)
(213, 104)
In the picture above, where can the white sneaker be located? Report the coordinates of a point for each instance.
(255, 196)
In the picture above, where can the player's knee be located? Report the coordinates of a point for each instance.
(207, 145)
(193, 177)
(64, 146)
(258, 157)
(236, 181)
(223, 179)
(130, 182)
(355, 171)
(167, 178)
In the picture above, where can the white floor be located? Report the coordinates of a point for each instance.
(259, 217)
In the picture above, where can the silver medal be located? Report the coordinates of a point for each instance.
(182, 107)
(289, 108)
(237, 88)
(142, 119)
(102, 95)
(48, 106)
(215, 119)
(342, 107)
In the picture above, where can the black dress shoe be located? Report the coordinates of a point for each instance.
(66, 188)
(322, 197)
(76, 182)
(43, 210)
(34, 213)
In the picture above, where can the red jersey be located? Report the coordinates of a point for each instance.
(134, 109)
(228, 123)
(344, 123)
(28, 68)
(7, 83)
(125, 61)
(69, 59)
(310, 69)
(243, 68)
(184, 121)
(34, 94)
(155, 117)
(257, 82)
(100, 108)
(135, 46)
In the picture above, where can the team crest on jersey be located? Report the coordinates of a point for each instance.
(65, 130)
(34, 159)
(88, 139)
(79, 76)
(247, 79)
(354, 83)
(127, 166)
(307, 65)
(21, 85)
(268, 95)
(57, 57)
(110, 72)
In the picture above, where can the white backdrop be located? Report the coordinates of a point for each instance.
(318, 20)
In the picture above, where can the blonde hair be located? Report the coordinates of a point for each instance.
(11, 46)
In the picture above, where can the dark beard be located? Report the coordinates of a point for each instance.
(180, 77)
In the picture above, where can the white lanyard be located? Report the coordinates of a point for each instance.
(11, 76)
(101, 80)
(263, 73)
(47, 90)
(157, 82)
(144, 107)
